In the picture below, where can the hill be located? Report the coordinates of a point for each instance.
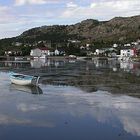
(116, 30)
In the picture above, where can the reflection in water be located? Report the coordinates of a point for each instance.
(115, 65)
(112, 76)
(79, 99)
(127, 66)
(28, 89)
(61, 104)
(38, 63)
(15, 64)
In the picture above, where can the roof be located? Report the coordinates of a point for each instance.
(43, 49)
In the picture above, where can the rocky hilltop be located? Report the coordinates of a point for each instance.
(116, 30)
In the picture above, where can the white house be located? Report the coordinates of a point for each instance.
(45, 51)
(99, 51)
(13, 52)
(38, 52)
(135, 43)
(115, 45)
(127, 52)
(106, 51)
(127, 45)
(56, 52)
(35, 52)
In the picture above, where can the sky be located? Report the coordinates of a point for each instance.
(17, 16)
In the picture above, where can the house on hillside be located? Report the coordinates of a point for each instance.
(56, 52)
(115, 45)
(111, 52)
(128, 52)
(99, 51)
(35, 52)
(38, 52)
(13, 53)
(45, 51)
(127, 45)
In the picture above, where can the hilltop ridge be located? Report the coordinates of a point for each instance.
(116, 30)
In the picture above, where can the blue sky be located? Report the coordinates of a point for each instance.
(17, 16)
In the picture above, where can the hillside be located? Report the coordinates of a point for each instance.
(118, 29)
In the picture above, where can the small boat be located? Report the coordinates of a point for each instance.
(24, 80)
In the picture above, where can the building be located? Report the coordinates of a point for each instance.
(56, 52)
(45, 51)
(128, 52)
(13, 53)
(38, 52)
(35, 52)
(115, 45)
(127, 45)
(99, 51)
(106, 51)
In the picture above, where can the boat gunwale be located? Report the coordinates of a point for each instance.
(22, 77)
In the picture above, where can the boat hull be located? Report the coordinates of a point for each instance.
(24, 80)
(21, 82)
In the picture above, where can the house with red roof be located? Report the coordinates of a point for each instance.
(45, 51)
(39, 52)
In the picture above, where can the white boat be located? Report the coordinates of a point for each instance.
(24, 80)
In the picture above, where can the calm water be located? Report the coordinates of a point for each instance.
(76, 100)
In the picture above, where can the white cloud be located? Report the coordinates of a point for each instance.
(93, 5)
(116, 5)
(23, 2)
(3, 8)
(32, 107)
(71, 5)
(103, 10)
(5, 119)
(33, 2)
(5, 12)
(60, 12)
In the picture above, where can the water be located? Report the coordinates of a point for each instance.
(76, 100)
